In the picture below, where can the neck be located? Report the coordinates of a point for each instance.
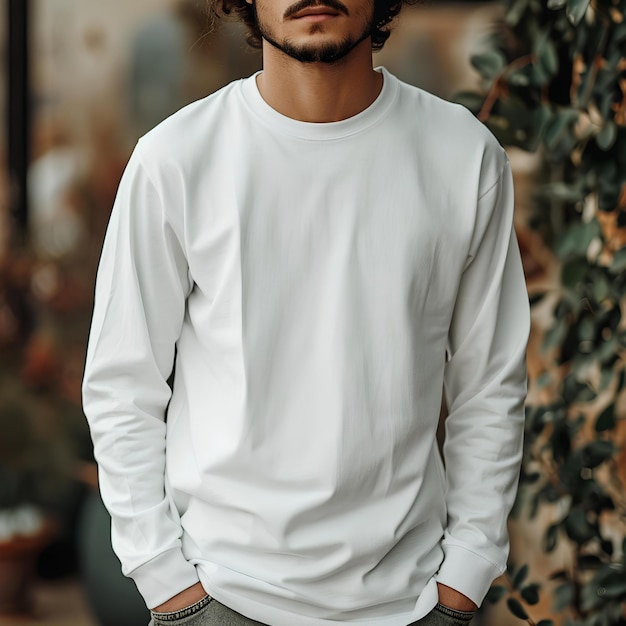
(319, 92)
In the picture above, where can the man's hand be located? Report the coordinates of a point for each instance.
(454, 600)
(185, 598)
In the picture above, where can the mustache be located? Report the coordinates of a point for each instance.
(305, 4)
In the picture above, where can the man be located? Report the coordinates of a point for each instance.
(313, 253)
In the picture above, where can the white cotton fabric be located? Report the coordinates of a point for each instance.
(310, 281)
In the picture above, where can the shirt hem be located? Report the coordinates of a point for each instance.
(425, 603)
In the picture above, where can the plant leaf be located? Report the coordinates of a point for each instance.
(530, 593)
(607, 136)
(520, 577)
(578, 237)
(574, 271)
(597, 452)
(495, 593)
(516, 608)
(515, 12)
(613, 586)
(547, 55)
(578, 527)
(589, 561)
(563, 596)
(576, 10)
(606, 419)
(558, 125)
(488, 63)
(618, 264)
(550, 538)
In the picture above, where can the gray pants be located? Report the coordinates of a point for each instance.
(210, 612)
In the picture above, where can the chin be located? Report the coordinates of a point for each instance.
(317, 47)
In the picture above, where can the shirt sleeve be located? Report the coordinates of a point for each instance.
(141, 290)
(485, 389)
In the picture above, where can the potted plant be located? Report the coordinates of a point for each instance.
(36, 458)
(31, 477)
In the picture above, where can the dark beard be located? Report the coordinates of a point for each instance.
(328, 53)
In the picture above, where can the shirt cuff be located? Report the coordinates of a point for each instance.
(467, 572)
(163, 577)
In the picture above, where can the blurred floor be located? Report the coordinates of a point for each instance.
(57, 603)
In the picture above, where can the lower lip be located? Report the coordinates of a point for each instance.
(316, 17)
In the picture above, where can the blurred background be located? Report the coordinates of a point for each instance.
(82, 80)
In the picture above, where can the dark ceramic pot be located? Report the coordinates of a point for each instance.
(113, 598)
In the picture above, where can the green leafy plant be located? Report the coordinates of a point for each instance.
(38, 423)
(34, 462)
(554, 75)
(518, 592)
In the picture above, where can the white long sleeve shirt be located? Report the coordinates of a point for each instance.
(313, 287)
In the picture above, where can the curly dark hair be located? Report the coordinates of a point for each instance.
(384, 12)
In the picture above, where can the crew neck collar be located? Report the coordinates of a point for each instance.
(320, 130)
